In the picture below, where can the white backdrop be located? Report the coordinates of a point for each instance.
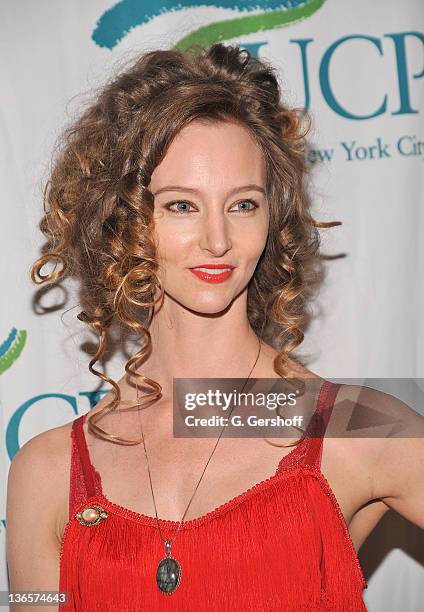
(358, 66)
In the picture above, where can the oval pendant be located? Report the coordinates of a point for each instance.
(168, 575)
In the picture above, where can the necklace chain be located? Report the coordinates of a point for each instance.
(169, 541)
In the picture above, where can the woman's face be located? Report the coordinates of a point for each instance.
(210, 209)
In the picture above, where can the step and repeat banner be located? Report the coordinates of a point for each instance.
(357, 67)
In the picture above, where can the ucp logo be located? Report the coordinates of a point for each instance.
(124, 16)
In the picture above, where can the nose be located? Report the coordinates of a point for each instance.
(215, 233)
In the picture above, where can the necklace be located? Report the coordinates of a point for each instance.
(168, 574)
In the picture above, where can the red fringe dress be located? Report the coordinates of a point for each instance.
(281, 545)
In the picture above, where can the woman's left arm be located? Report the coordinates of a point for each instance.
(398, 477)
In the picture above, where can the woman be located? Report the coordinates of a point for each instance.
(186, 162)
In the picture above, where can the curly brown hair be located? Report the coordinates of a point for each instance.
(98, 217)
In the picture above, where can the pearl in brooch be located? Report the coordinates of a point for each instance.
(91, 515)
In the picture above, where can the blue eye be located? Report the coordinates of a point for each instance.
(247, 210)
(178, 212)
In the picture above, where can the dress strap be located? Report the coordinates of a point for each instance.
(84, 457)
(318, 424)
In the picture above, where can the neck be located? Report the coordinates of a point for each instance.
(186, 344)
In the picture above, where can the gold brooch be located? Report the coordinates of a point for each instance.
(91, 515)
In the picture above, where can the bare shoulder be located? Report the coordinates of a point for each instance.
(379, 441)
(364, 419)
(373, 416)
(43, 453)
(40, 471)
(351, 448)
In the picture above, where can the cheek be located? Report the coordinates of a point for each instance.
(172, 247)
(175, 237)
(166, 238)
(254, 241)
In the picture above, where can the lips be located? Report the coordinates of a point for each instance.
(213, 273)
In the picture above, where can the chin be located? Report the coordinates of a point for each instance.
(213, 305)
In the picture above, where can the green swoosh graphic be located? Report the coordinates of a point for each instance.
(240, 26)
(14, 351)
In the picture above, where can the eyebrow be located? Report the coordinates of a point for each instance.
(251, 187)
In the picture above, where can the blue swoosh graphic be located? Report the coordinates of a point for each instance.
(118, 21)
(5, 346)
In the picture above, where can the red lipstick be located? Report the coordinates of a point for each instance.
(206, 272)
